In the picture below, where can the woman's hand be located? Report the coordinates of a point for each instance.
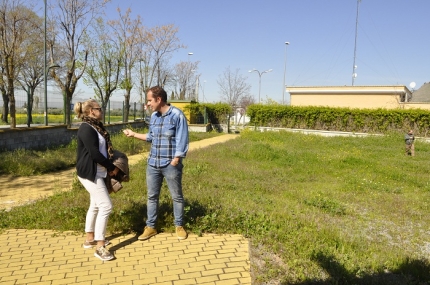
(114, 172)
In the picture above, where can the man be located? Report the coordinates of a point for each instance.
(409, 143)
(168, 134)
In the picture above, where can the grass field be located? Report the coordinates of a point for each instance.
(317, 210)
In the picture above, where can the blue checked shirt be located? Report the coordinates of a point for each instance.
(168, 135)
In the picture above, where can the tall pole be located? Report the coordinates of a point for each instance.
(45, 71)
(285, 71)
(188, 75)
(259, 81)
(355, 45)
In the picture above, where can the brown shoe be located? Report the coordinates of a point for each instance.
(181, 233)
(147, 233)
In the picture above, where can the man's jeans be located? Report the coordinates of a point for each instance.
(154, 180)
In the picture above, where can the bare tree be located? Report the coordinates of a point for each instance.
(233, 86)
(105, 61)
(17, 23)
(72, 17)
(161, 42)
(127, 32)
(31, 73)
(185, 77)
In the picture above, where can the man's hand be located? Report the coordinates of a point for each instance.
(129, 133)
(175, 161)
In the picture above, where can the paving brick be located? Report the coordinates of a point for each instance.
(207, 279)
(87, 278)
(190, 275)
(246, 280)
(238, 264)
(47, 269)
(220, 265)
(12, 277)
(194, 268)
(64, 281)
(228, 282)
(127, 278)
(161, 279)
(206, 257)
(233, 275)
(156, 269)
(235, 269)
(208, 252)
(185, 282)
(29, 280)
(144, 281)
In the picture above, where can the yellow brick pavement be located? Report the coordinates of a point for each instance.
(48, 257)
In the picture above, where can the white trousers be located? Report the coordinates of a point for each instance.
(100, 207)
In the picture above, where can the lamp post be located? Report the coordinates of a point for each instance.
(189, 71)
(285, 71)
(259, 82)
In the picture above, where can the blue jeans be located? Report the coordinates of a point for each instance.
(154, 180)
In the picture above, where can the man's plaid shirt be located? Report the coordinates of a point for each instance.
(168, 134)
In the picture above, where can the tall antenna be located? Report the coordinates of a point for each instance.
(354, 74)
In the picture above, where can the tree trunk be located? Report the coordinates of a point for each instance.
(68, 97)
(12, 109)
(127, 105)
(5, 111)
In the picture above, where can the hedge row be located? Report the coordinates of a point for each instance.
(341, 119)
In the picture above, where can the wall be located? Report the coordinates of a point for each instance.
(49, 136)
(361, 97)
(181, 104)
(410, 105)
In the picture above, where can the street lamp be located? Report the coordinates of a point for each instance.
(189, 71)
(285, 70)
(46, 91)
(259, 83)
(46, 70)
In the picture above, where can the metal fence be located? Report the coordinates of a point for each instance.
(114, 112)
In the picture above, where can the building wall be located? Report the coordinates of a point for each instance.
(362, 97)
(412, 105)
(347, 101)
(180, 104)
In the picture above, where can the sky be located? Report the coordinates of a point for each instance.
(392, 46)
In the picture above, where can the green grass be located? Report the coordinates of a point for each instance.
(24, 162)
(317, 210)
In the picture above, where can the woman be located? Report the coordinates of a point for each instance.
(92, 165)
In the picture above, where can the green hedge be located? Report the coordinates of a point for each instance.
(217, 113)
(340, 119)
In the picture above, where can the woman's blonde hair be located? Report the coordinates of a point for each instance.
(84, 108)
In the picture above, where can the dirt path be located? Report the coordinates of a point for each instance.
(21, 190)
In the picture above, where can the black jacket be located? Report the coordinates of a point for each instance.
(88, 154)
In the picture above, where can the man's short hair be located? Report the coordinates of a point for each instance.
(157, 91)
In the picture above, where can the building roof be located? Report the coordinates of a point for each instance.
(422, 94)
